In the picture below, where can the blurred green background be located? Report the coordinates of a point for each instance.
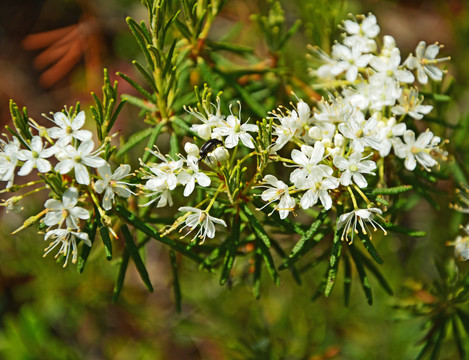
(48, 312)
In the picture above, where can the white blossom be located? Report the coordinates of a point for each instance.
(307, 160)
(67, 239)
(414, 151)
(65, 211)
(69, 128)
(390, 67)
(111, 184)
(350, 60)
(388, 129)
(78, 160)
(209, 121)
(277, 190)
(200, 217)
(36, 157)
(361, 132)
(318, 190)
(353, 169)
(425, 62)
(234, 131)
(9, 152)
(411, 104)
(189, 175)
(349, 221)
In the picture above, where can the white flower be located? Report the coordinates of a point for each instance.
(425, 61)
(387, 131)
(191, 149)
(36, 157)
(69, 128)
(361, 216)
(361, 35)
(111, 184)
(8, 159)
(190, 174)
(390, 67)
(65, 211)
(78, 160)
(277, 190)
(162, 178)
(202, 218)
(350, 59)
(414, 151)
(330, 68)
(67, 239)
(209, 121)
(410, 103)
(234, 131)
(353, 168)
(367, 28)
(461, 247)
(362, 132)
(307, 161)
(384, 91)
(318, 190)
(288, 128)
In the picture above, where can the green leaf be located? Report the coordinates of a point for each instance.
(287, 224)
(134, 140)
(174, 144)
(135, 255)
(269, 261)
(457, 336)
(106, 241)
(232, 243)
(333, 263)
(307, 241)
(149, 78)
(85, 249)
(146, 229)
(238, 49)
(139, 35)
(347, 280)
(121, 275)
(136, 86)
(253, 104)
(357, 259)
(257, 227)
(368, 244)
(256, 288)
(176, 285)
(403, 230)
(392, 190)
(293, 270)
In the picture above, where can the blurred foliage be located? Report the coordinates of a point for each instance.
(51, 313)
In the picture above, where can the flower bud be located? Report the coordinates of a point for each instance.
(333, 151)
(191, 149)
(221, 154)
(315, 133)
(303, 110)
(339, 140)
(204, 131)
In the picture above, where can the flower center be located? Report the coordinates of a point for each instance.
(77, 159)
(69, 130)
(353, 168)
(34, 154)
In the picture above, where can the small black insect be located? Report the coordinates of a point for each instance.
(208, 147)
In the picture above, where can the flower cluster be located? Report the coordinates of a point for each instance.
(335, 149)
(67, 152)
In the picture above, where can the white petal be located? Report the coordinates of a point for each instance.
(78, 121)
(81, 174)
(26, 168)
(43, 165)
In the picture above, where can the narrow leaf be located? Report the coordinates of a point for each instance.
(85, 250)
(135, 255)
(152, 141)
(231, 247)
(357, 259)
(176, 285)
(121, 275)
(347, 280)
(333, 263)
(106, 241)
(392, 190)
(257, 227)
(368, 244)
